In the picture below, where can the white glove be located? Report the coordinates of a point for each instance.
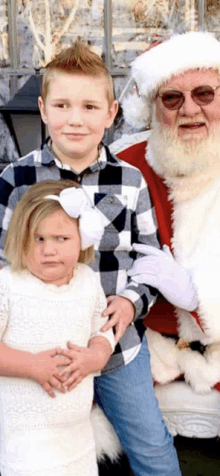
(160, 270)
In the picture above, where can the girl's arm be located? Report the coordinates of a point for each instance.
(101, 351)
(94, 357)
(42, 367)
(85, 360)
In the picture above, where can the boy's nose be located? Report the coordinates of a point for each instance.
(75, 117)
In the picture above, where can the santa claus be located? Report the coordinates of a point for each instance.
(178, 93)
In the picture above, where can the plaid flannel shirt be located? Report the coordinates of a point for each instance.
(119, 191)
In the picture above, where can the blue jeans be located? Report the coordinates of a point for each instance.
(127, 398)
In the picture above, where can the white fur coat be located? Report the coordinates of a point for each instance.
(196, 243)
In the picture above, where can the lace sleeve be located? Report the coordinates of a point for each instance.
(97, 320)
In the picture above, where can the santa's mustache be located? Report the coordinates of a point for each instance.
(191, 120)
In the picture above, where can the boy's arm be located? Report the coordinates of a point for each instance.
(144, 231)
(136, 299)
(121, 313)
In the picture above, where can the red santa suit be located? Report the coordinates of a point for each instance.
(190, 225)
(188, 218)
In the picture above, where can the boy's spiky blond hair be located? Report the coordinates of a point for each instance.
(79, 59)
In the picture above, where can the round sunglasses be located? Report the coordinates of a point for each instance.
(201, 95)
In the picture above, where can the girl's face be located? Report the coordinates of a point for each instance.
(54, 249)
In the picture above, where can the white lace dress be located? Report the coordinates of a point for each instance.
(40, 435)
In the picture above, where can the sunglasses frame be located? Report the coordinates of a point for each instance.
(182, 98)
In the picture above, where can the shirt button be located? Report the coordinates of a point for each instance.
(78, 179)
(111, 199)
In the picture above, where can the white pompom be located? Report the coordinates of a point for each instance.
(136, 111)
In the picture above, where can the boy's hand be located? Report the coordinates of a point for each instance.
(84, 362)
(45, 369)
(121, 311)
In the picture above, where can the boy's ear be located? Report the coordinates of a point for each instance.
(42, 110)
(111, 114)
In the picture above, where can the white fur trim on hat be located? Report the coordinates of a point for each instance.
(172, 57)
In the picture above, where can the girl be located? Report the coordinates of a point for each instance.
(48, 294)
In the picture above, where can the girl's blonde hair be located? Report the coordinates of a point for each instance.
(29, 212)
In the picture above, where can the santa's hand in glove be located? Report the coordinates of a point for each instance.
(160, 270)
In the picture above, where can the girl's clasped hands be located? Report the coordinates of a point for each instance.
(63, 369)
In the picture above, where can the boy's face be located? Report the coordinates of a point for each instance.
(54, 249)
(77, 112)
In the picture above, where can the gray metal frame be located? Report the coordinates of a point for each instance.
(13, 43)
(201, 12)
(14, 71)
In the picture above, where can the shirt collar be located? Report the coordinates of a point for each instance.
(47, 155)
(49, 158)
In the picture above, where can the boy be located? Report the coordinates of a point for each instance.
(77, 104)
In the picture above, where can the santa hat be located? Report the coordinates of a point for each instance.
(160, 63)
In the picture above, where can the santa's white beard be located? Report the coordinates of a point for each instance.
(177, 157)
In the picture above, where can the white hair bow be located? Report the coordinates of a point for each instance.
(76, 204)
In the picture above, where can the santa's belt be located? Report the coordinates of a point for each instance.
(195, 345)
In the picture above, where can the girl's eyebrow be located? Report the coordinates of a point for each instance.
(54, 235)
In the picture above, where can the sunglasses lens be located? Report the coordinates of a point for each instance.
(203, 95)
(172, 99)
